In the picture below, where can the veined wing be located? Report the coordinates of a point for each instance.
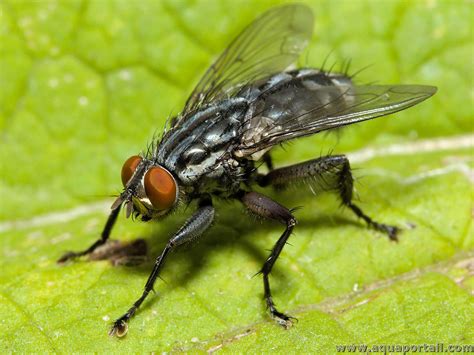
(299, 111)
(268, 45)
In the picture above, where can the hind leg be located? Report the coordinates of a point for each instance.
(329, 173)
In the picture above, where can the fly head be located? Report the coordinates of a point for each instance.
(150, 190)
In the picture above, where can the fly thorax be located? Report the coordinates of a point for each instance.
(198, 150)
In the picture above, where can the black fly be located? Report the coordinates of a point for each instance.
(246, 103)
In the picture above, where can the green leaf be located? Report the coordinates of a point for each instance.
(85, 84)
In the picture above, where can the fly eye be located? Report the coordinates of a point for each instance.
(160, 188)
(129, 167)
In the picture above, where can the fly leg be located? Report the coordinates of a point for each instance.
(267, 208)
(103, 238)
(326, 173)
(267, 160)
(194, 227)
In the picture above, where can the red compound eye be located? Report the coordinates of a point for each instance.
(160, 188)
(129, 167)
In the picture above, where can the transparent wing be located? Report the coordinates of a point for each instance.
(301, 111)
(268, 45)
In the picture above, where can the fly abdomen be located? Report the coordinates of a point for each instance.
(306, 90)
(286, 101)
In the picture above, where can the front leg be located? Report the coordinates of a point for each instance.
(103, 238)
(267, 208)
(194, 227)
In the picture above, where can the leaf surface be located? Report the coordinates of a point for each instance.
(86, 84)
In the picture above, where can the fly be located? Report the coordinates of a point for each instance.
(247, 102)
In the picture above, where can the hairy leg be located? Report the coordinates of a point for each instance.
(267, 208)
(328, 173)
(103, 238)
(194, 227)
(267, 160)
